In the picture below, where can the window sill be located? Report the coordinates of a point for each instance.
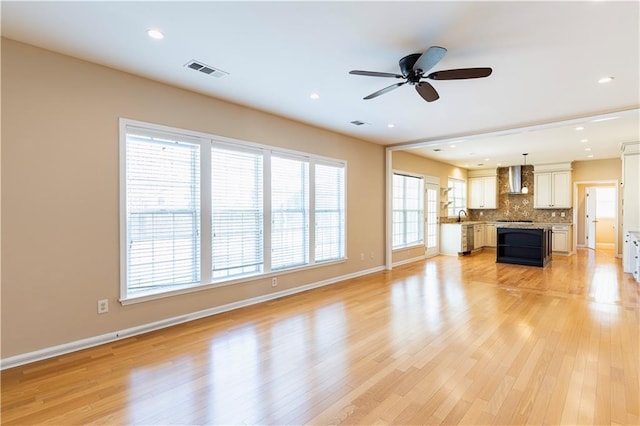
(139, 298)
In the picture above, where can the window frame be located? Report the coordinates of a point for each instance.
(207, 142)
(421, 240)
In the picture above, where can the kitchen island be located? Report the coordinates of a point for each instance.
(523, 244)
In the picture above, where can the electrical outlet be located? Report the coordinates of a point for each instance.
(562, 214)
(103, 306)
(274, 282)
(553, 214)
(481, 213)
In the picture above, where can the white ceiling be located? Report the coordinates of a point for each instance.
(546, 57)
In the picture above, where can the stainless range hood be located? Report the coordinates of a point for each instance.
(515, 180)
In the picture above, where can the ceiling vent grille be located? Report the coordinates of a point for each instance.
(358, 123)
(205, 69)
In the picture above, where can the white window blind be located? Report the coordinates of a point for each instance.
(236, 213)
(289, 212)
(257, 210)
(408, 210)
(457, 196)
(329, 212)
(162, 213)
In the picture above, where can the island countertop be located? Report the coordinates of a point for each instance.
(524, 225)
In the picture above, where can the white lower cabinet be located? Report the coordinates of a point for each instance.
(561, 239)
(489, 235)
(478, 236)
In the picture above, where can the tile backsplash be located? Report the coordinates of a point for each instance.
(519, 206)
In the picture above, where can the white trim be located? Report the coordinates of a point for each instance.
(50, 352)
(388, 239)
(413, 259)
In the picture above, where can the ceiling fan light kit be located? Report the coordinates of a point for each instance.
(414, 66)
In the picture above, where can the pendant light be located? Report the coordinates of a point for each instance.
(524, 189)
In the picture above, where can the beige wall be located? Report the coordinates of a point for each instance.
(593, 171)
(407, 162)
(60, 241)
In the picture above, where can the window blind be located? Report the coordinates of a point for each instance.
(408, 210)
(236, 212)
(162, 213)
(329, 212)
(289, 212)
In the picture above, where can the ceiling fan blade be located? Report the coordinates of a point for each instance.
(430, 58)
(460, 74)
(375, 74)
(385, 90)
(427, 91)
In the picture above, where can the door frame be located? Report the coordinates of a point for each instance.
(616, 184)
(591, 206)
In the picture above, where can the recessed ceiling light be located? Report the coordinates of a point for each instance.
(314, 96)
(579, 128)
(587, 149)
(452, 146)
(590, 156)
(391, 125)
(584, 140)
(466, 165)
(499, 164)
(155, 34)
(605, 80)
(486, 159)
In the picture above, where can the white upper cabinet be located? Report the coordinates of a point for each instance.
(552, 186)
(483, 189)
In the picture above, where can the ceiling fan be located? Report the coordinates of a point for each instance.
(413, 68)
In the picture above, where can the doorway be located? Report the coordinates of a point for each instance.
(596, 215)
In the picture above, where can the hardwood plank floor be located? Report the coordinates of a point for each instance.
(442, 341)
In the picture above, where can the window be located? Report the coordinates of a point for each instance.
(289, 212)
(408, 215)
(236, 213)
(162, 213)
(606, 202)
(329, 212)
(457, 196)
(198, 210)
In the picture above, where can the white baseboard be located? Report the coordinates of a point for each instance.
(26, 358)
(404, 262)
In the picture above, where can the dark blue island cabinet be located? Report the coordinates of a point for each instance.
(529, 245)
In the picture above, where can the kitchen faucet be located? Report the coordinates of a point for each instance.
(460, 218)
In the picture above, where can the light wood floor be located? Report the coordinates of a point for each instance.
(447, 340)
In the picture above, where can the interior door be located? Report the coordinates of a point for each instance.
(431, 203)
(590, 225)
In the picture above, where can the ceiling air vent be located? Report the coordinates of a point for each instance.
(205, 69)
(358, 123)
